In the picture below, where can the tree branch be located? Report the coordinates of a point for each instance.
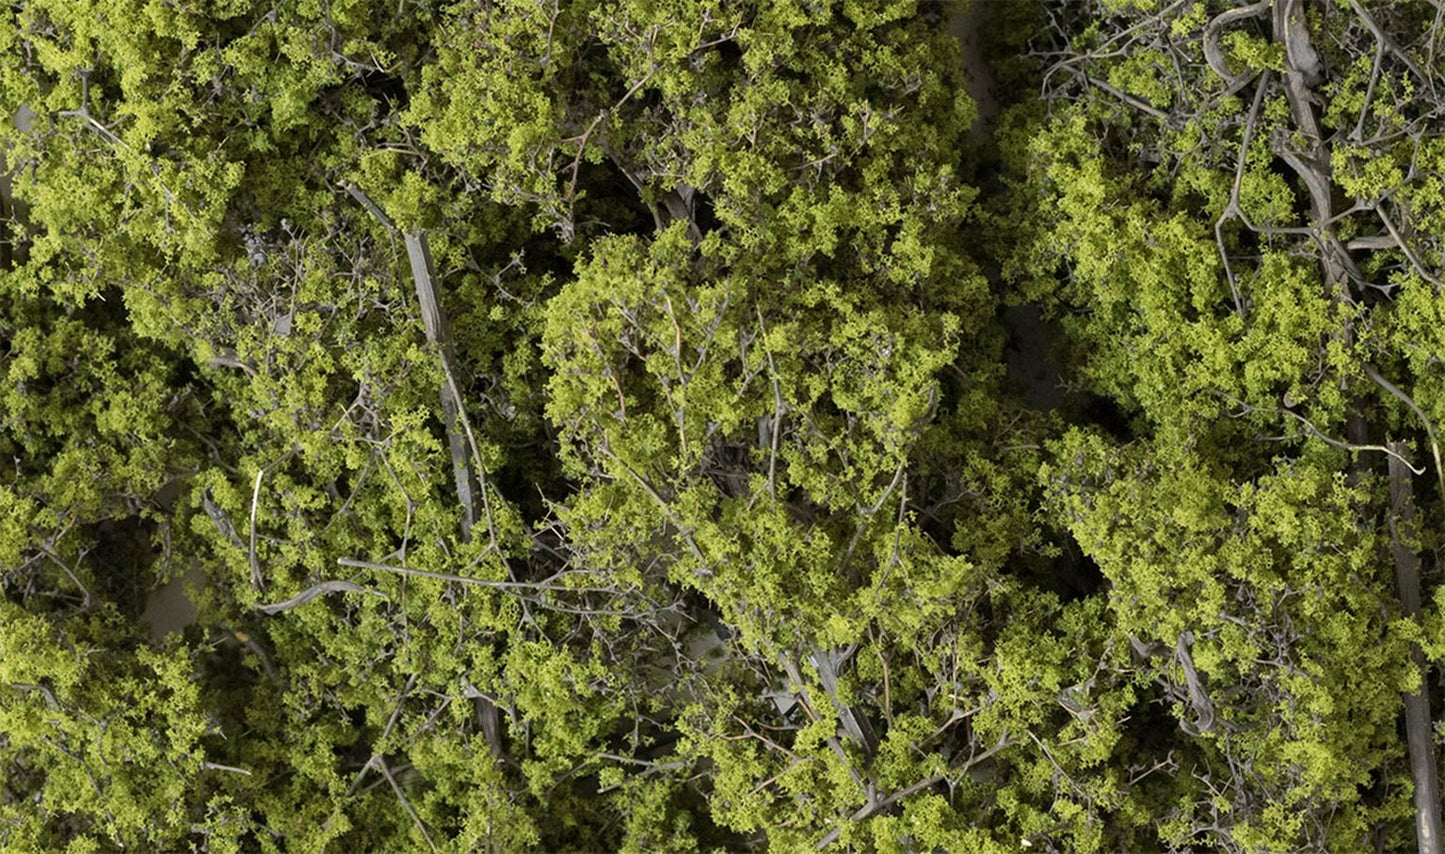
(311, 593)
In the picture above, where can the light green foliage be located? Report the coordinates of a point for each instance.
(1192, 559)
(112, 740)
(186, 230)
(1246, 552)
(765, 552)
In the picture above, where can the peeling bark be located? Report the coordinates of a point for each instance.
(853, 721)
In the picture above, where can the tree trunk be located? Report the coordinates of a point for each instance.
(1417, 705)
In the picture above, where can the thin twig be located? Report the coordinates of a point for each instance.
(1414, 261)
(411, 811)
(55, 559)
(462, 579)
(216, 766)
(1233, 207)
(1348, 446)
(777, 424)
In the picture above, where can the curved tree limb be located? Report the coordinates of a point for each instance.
(1214, 53)
(311, 593)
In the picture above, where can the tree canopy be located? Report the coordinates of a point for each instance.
(604, 425)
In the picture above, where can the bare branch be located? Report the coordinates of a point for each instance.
(463, 579)
(1246, 409)
(434, 320)
(777, 423)
(1132, 101)
(1233, 208)
(1214, 54)
(411, 811)
(366, 202)
(215, 766)
(879, 805)
(256, 580)
(1405, 247)
(1348, 446)
(311, 593)
(1384, 42)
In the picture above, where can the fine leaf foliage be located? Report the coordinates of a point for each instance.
(710, 512)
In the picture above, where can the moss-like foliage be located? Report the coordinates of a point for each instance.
(595, 425)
